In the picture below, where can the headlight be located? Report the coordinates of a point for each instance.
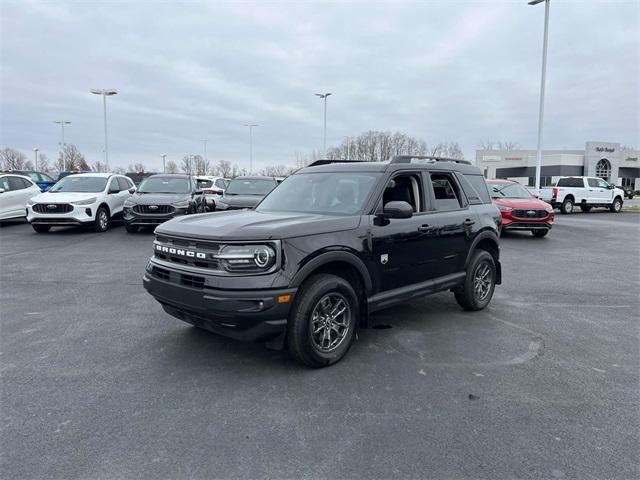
(182, 204)
(247, 258)
(504, 209)
(88, 201)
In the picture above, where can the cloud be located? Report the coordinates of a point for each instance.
(460, 71)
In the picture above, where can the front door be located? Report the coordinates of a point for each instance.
(401, 248)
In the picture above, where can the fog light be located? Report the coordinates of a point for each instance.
(87, 211)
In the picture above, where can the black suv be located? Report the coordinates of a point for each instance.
(162, 197)
(333, 243)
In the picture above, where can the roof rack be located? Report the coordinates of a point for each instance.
(327, 162)
(408, 158)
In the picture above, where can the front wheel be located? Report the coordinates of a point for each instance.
(322, 323)
(41, 228)
(101, 223)
(567, 206)
(539, 233)
(616, 206)
(477, 290)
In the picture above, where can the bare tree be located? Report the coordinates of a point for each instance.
(70, 158)
(11, 159)
(137, 167)
(486, 144)
(43, 163)
(276, 171)
(172, 167)
(223, 168)
(118, 170)
(507, 145)
(98, 166)
(186, 165)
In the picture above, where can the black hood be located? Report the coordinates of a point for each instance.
(158, 198)
(241, 201)
(253, 225)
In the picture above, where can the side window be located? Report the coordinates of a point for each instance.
(113, 185)
(405, 188)
(592, 182)
(17, 183)
(571, 182)
(445, 192)
(220, 183)
(601, 183)
(122, 182)
(475, 188)
(4, 183)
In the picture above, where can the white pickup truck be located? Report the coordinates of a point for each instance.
(586, 192)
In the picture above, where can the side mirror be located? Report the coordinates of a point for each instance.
(611, 187)
(397, 209)
(132, 190)
(1, 190)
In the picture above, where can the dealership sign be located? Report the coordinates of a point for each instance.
(605, 149)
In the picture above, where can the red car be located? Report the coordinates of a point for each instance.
(520, 209)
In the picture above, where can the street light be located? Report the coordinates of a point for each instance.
(105, 94)
(62, 123)
(542, 86)
(36, 150)
(348, 147)
(251, 125)
(324, 142)
(164, 169)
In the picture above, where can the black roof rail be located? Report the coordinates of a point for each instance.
(408, 158)
(327, 162)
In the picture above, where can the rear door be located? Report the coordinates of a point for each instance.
(454, 218)
(602, 194)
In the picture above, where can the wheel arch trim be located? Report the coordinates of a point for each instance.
(331, 257)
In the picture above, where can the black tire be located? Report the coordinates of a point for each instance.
(131, 228)
(567, 206)
(616, 206)
(316, 299)
(585, 208)
(41, 228)
(101, 223)
(481, 265)
(539, 233)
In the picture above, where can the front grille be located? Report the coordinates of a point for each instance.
(150, 210)
(192, 281)
(529, 213)
(162, 273)
(179, 246)
(52, 208)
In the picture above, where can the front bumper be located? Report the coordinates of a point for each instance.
(149, 219)
(247, 315)
(80, 215)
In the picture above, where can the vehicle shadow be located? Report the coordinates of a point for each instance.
(12, 222)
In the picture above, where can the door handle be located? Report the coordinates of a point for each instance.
(468, 222)
(426, 228)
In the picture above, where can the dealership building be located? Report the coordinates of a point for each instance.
(598, 159)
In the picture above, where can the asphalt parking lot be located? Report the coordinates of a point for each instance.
(98, 382)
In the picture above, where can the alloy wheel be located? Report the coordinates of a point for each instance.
(482, 281)
(330, 321)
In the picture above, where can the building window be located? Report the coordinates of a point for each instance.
(603, 169)
(544, 181)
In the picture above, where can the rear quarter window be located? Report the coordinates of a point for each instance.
(475, 188)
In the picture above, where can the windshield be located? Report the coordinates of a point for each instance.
(164, 185)
(250, 186)
(324, 193)
(509, 190)
(74, 183)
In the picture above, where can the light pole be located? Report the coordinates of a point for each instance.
(251, 125)
(62, 123)
(348, 148)
(324, 141)
(105, 94)
(542, 86)
(164, 168)
(205, 166)
(35, 151)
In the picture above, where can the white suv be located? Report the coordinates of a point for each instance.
(86, 199)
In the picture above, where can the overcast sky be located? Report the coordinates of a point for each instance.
(442, 71)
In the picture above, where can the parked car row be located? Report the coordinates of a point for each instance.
(95, 200)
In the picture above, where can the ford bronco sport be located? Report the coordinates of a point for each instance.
(333, 243)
